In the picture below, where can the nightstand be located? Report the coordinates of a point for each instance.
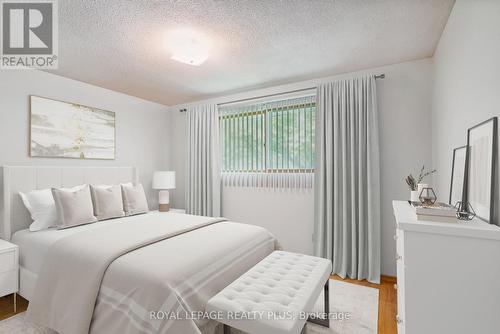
(173, 211)
(177, 210)
(9, 270)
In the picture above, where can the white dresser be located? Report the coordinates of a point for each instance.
(448, 275)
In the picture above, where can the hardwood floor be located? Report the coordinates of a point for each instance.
(387, 302)
(387, 307)
(7, 306)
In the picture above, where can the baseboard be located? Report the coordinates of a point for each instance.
(388, 279)
(383, 279)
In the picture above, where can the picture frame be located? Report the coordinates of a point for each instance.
(60, 129)
(458, 175)
(481, 156)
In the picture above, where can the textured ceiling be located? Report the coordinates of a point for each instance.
(120, 44)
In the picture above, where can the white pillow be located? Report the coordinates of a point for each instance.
(42, 208)
(107, 200)
(74, 206)
(134, 199)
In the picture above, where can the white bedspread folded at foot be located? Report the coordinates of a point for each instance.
(70, 279)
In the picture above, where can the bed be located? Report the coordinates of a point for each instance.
(124, 275)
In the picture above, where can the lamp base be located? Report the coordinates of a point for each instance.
(164, 207)
(163, 201)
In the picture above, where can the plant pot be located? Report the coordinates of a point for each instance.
(414, 196)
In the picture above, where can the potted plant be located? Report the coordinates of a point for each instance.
(413, 183)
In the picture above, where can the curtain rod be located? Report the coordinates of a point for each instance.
(378, 76)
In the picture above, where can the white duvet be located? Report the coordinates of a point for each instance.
(117, 277)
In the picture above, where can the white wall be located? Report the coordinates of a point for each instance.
(466, 81)
(404, 106)
(142, 127)
(405, 141)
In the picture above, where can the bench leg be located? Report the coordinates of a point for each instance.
(319, 321)
(226, 329)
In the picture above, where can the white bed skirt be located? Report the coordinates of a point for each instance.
(27, 281)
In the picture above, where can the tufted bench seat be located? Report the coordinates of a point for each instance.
(274, 296)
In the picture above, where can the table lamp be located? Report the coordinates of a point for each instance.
(163, 181)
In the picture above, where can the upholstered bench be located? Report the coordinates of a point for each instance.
(275, 296)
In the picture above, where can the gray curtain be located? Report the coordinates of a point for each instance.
(347, 181)
(203, 165)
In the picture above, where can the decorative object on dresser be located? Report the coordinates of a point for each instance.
(447, 275)
(427, 196)
(9, 270)
(458, 179)
(465, 211)
(420, 187)
(416, 185)
(164, 181)
(61, 129)
(481, 155)
(436, 212)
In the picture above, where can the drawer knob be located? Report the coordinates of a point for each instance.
(395, 286)
(398, 257)
(399, 320)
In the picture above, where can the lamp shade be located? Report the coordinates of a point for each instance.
(164, 180)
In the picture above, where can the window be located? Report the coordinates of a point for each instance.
(273, 137)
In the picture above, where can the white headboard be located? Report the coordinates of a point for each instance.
(15, 217)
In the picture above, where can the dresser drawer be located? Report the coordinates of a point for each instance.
(400, 270)
(400, 267)
(8, 282)
(8, 261)
(400, 242)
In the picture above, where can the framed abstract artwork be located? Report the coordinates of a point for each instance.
(67, 130)
(481, 156)
(458, 169)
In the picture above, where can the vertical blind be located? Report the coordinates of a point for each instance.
(269, 144)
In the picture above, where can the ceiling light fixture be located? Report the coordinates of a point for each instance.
(188, 47)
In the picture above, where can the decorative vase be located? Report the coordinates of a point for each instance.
(420, 187)
(465, 211)
(414, 196)
(427, 196)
